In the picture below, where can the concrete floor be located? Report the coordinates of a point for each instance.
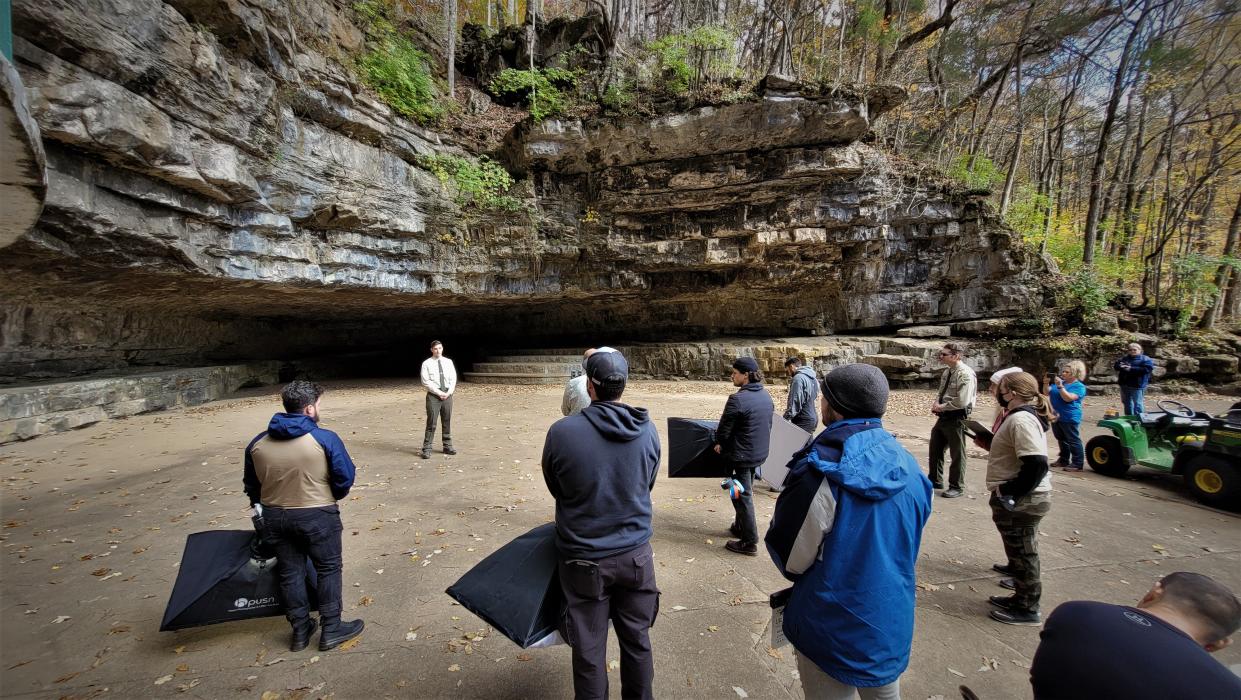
(94, 522)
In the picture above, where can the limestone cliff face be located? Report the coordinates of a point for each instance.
(220, 187)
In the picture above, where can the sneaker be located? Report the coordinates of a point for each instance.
(952, 493)
(1017, 617)
(302, 634)
(742, 548)
(425, 454)
(1002, 569)
(1008, 583)
(1058, 464)
(344, 632)
(449, 451)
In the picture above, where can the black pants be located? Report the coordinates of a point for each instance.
(296, 533)
(437, 408)
(948, 433)
(744, 506)
(621, 589)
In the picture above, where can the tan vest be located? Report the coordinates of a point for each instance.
(293, 473)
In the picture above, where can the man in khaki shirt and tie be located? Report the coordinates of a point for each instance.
(439, 377)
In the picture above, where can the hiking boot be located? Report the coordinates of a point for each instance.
(1017, 617)
(1002, 569)
(341, 633)
(302, 634)
(952, 493)
(449, 451)
(742, 548)
(1008, 583)
(1003, 602)
(425, 454)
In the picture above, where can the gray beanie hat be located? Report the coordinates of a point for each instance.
(857, 391)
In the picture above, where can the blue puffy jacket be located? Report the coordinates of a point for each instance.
(846, 530)
(1134, 372)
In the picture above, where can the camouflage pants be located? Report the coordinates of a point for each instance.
(1019, 531)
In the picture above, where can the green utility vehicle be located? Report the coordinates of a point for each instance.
(1206, 450)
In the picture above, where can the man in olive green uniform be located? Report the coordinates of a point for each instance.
(958, 390)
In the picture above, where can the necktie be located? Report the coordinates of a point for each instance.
(440, 364)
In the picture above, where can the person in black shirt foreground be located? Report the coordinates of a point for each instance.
(1158, 650)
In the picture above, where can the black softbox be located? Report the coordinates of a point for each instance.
(226, 575)
(517, 588)
(691, 450)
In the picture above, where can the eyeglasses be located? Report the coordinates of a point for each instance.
(946, 354)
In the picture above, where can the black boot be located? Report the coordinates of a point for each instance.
(336, 633)
(302, 633)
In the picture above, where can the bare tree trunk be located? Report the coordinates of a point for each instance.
(1007, 195)
(450, 22)
(1105, 132)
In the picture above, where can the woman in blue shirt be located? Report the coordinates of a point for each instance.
(1066, 398)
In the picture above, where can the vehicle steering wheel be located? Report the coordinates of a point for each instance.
(1175, 408)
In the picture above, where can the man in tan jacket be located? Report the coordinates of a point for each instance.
(295, 472)
(958, 390)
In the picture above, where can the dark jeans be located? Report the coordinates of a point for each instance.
(806, 423)
(296, 533)
(744, 506)
(437, 407)
(1019, 531)
(621, 589)
(1068, 437)
(948, 433)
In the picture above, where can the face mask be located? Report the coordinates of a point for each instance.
(1003, 401)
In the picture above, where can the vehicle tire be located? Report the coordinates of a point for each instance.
(1106, 456)
(1213, 482)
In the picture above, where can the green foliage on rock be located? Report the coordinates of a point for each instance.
(397, 70)
(702, 52)
(541, 90)
(482, 183)
(977, 172)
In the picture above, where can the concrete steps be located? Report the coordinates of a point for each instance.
(534, 366)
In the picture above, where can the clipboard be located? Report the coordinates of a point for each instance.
(975, 429)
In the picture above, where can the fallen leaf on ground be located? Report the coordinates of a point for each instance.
(366, 600)
(454, 668)
(613, 665)
(163, 679)
(350, 644)
(61, 619)
(955, 672)
(678, 608)
(179, 649)
(740, 692)
(713, 628)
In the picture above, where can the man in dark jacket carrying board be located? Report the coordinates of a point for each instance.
(744, 438)
(600, 465)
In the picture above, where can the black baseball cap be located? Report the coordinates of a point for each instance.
(607, 366)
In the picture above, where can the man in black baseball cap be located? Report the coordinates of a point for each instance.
(600, 465)
(744, 438)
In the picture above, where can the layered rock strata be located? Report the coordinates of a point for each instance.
(221, 188)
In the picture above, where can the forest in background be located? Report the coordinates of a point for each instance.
(1106, 133)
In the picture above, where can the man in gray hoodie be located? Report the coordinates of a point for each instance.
(803, 395)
